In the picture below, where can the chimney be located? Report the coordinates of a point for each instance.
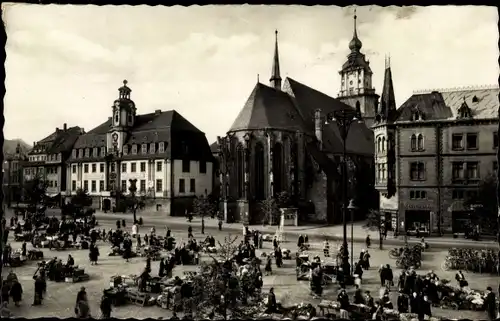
(65, 126)
(57, 129)
(318, 127)
(34, 143)
(82, 130)
(157, 112)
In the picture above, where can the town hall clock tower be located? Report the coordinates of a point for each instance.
(122, 120)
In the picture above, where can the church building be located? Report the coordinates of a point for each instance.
(284, 140)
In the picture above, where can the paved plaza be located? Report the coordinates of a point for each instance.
(61, 297)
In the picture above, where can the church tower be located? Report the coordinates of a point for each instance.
(356, 89)
(122, 120)
(385, 138)
(275, 80)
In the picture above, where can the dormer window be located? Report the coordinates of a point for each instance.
(161, 147)
(103, 151)
(464, 111)
(59, 156)
(96, 151)
(417, 115)
(125, 149)
(134, 149)
(475, 99)
(144, 148)
(87, 152)
(80, 153)
(152, 148)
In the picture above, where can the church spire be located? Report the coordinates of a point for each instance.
(355, 44)
(275, 73)
(388, 100)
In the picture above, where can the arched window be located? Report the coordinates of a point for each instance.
(379, 143)
(240, 171)
(277, 168)
(383, 144)
(413, 143)
(420, 142)
(259, 173)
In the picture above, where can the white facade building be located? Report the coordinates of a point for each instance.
(169, 158)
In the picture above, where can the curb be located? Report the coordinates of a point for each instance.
(293, 235)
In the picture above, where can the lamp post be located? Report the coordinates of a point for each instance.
(344, 119)
(133, 189)
(352, 208)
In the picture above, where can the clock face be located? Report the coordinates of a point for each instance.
(115, 137)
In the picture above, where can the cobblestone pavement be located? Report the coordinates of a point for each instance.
(61, 297)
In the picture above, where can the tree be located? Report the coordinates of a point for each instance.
(283, 200)
(374, 222)
(35, 192)
(484, 203)
(81, 198)
(218, 288)
(270, 209)
(202, 206)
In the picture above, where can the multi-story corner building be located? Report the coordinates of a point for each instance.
(168, 156)
(432, 153)
(47, 159)
(13, 173)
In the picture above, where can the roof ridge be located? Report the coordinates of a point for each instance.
(456, 89)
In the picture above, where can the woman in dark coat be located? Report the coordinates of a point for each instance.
(16, 292)
(269, 268)
(94, 253)
(161, 271)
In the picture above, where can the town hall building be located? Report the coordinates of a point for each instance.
(284, 140)
(169, 158)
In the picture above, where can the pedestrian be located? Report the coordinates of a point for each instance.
(220, 226)
(202, 225)
(190, 232)
(105, 306)
(5, 291)
(39, 289)
(268, 268)
(16, 291)
(123, 223)
(118, 225)
(368, 241)
(490, 303)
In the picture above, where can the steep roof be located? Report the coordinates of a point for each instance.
(154, 128)
(267, 107)
(61, 140)
(214, 147)
(444, 105)
(360, 138)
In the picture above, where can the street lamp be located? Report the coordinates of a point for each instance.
(344, 118)
(352, 208)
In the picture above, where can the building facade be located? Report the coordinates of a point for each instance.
(169, 158)
(13, 174)
(432, 154)
(47, 160)
(282, 141)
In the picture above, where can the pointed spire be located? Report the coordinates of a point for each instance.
(275, 73)
(355, 44)
(388, 100)
(258, 78)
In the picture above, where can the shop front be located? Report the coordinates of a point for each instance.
(419, 218)
(389, 211)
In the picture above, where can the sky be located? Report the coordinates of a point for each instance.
(65, 63)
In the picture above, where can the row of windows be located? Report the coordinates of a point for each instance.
(381, 172)
(418, 195)
(469, 141)
(467, 170)
(93, 185)
(461, 194)
(50, 158)
(33, 171)
(142, 186)
(52, 170)
(186, 167)
(52, 183)
(144, 148)
(88, 152)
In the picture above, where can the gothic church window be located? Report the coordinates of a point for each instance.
(277, 168)
(240, 174)
(383, 144)
(259, 172)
